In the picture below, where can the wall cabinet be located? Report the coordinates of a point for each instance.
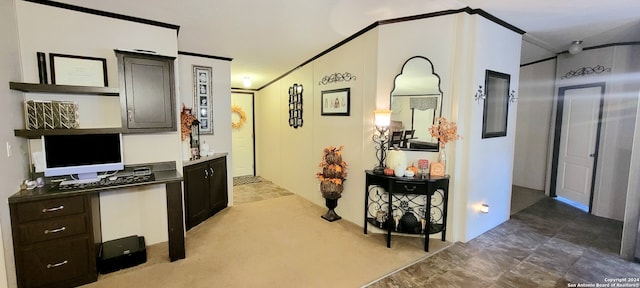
(205, 190)
(147, 92)
(54, 242)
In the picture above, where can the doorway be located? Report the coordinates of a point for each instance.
(576, 143)
(242, 134)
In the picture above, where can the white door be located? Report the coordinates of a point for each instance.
(242, 137)
(578, 142)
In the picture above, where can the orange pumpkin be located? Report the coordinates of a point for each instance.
(388, 171)
(413, 168)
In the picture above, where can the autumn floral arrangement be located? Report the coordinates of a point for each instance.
(444, 131)
(333, 173)
(186, 120)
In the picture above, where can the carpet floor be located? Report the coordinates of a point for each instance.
(278, 242)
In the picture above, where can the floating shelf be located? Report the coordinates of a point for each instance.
(66, 89)
(36, 133)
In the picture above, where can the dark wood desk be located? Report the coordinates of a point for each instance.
(411, 188)
(57, 234)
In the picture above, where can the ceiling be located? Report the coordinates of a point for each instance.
(268, 38)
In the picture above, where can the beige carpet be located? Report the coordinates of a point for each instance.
(280, 242)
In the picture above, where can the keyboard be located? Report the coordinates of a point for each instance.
(105, 182)
(79, 181)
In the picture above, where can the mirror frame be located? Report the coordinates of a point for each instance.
(496, 104)
(437, 144)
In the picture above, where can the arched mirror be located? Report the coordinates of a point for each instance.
(416, 101)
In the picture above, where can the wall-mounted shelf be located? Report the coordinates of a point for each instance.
(36, 133)
(64, 89)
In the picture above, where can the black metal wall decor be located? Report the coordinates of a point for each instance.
(586, 71)
(337, 77)
(295, 106)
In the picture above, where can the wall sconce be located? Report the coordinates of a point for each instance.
(484, 208)
(479, 94)
(575, 48)
(512, 97)
(295, 105)
(382, 119)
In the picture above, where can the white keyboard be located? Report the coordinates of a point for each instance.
(80, 181)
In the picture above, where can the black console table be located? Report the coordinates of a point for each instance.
(407, 191)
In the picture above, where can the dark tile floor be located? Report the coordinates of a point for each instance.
(548, 244)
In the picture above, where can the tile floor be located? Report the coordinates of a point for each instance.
(548, 244)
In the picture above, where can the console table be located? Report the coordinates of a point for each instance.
(57, 234)
(407, 190)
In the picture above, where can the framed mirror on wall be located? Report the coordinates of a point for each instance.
(416, 101)
(496, 104)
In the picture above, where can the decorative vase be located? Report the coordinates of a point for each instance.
(409, 223)
(396, 157)
(186, 151)
(442, 157)
(331, 214)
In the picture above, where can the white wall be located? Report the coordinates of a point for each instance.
(220, 141)
(289, 157)
(484, 167)
(13, 170)
(618, 119)
(535, 103)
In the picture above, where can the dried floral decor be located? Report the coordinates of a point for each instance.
(334, 173)
(445, 131)
(186, 120)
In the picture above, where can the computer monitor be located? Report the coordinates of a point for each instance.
(83, 154)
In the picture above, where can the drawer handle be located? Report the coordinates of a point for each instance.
(53, 209)
(212, 172)
(413, 188)
(49, 266)
(55, 230)
(206, 173)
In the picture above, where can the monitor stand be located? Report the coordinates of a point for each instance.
(87, 176)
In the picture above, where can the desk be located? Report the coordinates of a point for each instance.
(65, 254)
(407, 187)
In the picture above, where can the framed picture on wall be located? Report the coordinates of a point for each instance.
(202, 98)
(335, 102)
(78, 70)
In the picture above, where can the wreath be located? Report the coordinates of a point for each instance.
(243, 117)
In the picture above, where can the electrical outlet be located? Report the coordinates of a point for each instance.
(9, 149)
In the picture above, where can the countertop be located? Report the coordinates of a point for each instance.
(204, 159)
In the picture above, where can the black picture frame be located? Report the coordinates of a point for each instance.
(496, 104)
(203, 97)
(78, 70)
(336, 102)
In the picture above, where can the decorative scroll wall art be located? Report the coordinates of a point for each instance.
(337, 77)
(586, 71)
(295, 106)
(202, 98)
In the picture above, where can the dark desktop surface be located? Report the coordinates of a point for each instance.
(52, 190)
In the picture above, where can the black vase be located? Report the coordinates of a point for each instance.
(331, 214)
(409, 223)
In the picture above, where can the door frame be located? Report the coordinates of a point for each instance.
(253, 124)
(558, 133)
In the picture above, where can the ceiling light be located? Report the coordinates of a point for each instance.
(246, 81)
(575, 48)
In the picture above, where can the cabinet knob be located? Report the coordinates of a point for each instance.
(206, 173)
(212, 172)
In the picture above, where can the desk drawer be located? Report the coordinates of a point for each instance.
(408, 187)
(67, 262)
(53, 229)
(46, 209)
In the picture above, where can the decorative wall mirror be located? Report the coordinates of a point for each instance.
(496, 104)
(416, 102)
